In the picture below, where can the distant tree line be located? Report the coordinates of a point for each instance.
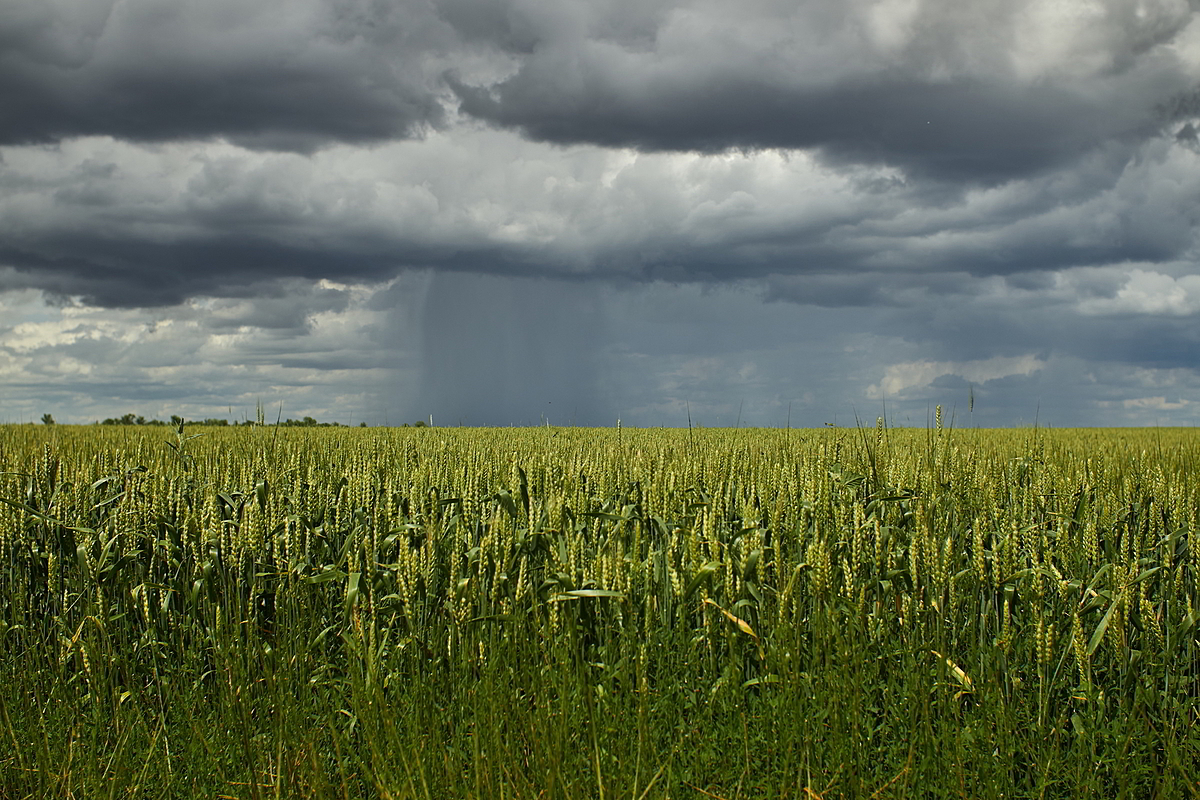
(176, 421)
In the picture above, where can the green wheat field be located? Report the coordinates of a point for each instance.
(868, 612)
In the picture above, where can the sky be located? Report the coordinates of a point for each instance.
(520, 212)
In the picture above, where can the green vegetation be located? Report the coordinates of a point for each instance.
(568, 613)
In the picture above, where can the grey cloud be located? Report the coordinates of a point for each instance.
(861, 289)
(124, 226)
(976, 322)
(276, 75)
(1125, 323)
(968, 129)
(495, 23)
(973, 91)
(129, 273)
(947, 90)
(286, 307)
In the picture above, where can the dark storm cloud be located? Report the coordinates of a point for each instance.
(968, 129)
(129, 274)
(952, 95)
(955, 91)
(969, 328)
(126, 273)
(940, 89)
(585, 209)
(277, 75)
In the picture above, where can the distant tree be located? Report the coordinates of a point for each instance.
(131, 419)
(47, 419)
(362, 424)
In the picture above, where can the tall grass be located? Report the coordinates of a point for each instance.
(571, 613)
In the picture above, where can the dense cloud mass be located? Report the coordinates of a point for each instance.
(968, 91)
(275, 74)
(508, 211)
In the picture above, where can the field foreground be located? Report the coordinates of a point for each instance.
(571, 613)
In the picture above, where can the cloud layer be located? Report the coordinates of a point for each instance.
(275, 74)
(815, 205)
